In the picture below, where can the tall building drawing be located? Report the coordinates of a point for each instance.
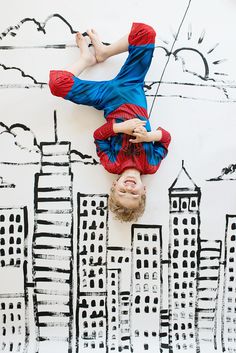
(164, 310)
(118, 300)
(113, 306)
(13, 302)
(53, 249)
(91, 313)
(208, 281)
(184, 196)
(146, 287)
(13, 231)
(229, 303)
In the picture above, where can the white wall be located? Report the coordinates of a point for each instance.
(195, 101)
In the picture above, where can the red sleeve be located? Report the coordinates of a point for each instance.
(166, 138)
(60, 82)
(104, 131)
(141, 34)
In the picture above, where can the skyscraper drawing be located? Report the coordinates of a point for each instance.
(208, 281)
(229, 304)
(91, 312)
(13, 306)
(146, 287)
(184, 197)
(53, 249)
(118, 298)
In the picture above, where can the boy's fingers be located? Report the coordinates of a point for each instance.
(133, 140)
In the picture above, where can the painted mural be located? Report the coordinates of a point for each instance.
(74, 280)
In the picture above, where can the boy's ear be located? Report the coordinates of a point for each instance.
(145, 190)
(114, 183)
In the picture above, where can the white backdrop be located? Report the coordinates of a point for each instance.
(48, 225)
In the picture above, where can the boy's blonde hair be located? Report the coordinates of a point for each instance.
(125, 214)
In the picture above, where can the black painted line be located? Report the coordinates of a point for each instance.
(209, 267)
(207, 289)
(56, 188)
(201, 38)
(213, 48)
(51, 279)
(20, 86)
(207, 318)
(53, 324)
(207, 278)
(51, 269)
(51, 292)
(23, 74)
(172, 47)
(12, 295)
(52, 314)
(52, 257)
(210, 249)
(52, 212)
(89, 294)
(53, 199)
(205, 310)
(52, 247)
(52, 338)
(55, 223)
(116, 248)
(56, 164)
(51, 235)
(193, 98)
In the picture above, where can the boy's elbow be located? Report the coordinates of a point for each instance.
(60, 82)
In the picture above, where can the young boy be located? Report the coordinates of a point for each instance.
(125, 143)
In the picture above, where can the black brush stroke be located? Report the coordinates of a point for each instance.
(23, 74)
(40, 26)
(193, 98)
(172, 47)
(201, 38)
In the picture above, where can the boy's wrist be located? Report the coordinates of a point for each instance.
(117, 128)
(154, 136)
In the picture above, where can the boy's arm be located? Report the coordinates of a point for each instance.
(160, 140)
(161, 143)
(103, 144)
(160, 135)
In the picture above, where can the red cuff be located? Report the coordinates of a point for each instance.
(141, 34)
(166, 138)
(60, 82)
(104, 131)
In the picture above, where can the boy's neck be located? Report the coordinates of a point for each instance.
(131, 172)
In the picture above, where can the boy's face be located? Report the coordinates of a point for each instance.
(128, 190)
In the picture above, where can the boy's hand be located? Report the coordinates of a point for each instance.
(129, 126)
(140, 134)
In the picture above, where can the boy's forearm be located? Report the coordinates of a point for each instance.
(117, 128)
(154, 136)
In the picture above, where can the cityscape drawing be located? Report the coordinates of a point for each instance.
(198, 307)
(69, 284)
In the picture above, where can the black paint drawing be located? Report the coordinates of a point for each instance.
(227, 173)
(178, 293)
(52, 248)
(24, 149)
(70, 290)
(4, 184)
(207, 76)
(13, 299)
(228, 307)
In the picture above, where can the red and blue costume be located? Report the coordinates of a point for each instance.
(121, 98)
